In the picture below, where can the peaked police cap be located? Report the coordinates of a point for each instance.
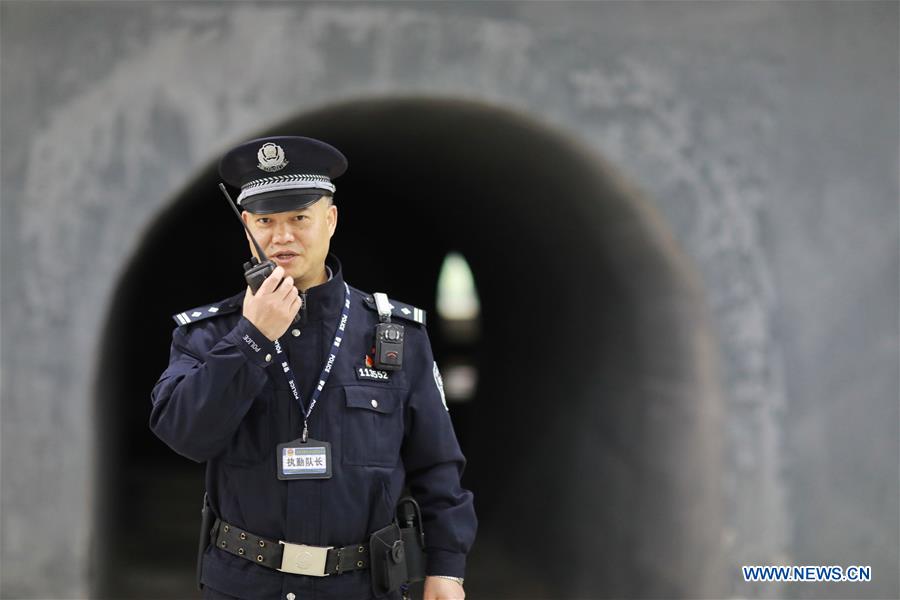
(281, 173)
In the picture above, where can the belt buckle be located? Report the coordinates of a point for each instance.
(301, 559)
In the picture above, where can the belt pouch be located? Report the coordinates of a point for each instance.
(415, 554)
(388, 560)
(206, 522)
(410, 518)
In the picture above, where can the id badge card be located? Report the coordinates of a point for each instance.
(299, 460)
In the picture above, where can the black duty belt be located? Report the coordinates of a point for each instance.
(300, 559)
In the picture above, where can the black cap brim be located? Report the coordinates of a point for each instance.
(282, 201)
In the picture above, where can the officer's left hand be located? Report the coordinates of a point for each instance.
(438, 588)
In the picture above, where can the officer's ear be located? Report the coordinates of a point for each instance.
(246, 216)
(332, 217)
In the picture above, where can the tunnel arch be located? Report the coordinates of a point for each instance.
(594, 442)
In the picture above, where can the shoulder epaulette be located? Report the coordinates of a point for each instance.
(206, 311)
(400, 310)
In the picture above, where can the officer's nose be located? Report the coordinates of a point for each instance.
(282, 234)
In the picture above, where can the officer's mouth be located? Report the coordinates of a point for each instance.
(283, 258)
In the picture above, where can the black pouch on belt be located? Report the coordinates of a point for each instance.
(207, 517)
(387, 558)
(410, 518)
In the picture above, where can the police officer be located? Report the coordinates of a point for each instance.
(308, 433)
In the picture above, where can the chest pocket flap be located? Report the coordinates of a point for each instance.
(372, 426)
(381, 400)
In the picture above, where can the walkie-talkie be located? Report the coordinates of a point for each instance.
(256, 270)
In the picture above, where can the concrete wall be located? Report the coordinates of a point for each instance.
(765, 133)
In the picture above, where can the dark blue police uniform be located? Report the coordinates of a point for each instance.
(224, 399)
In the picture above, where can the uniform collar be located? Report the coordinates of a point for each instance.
(326, 299)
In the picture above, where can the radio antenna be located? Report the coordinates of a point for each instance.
(262, 255)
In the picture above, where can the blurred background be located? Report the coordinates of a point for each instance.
(658, 244)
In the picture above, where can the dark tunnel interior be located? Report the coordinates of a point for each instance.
(593, 441)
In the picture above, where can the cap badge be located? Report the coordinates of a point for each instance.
(271, 158)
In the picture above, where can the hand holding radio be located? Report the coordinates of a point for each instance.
(274, 305)
(261, 272)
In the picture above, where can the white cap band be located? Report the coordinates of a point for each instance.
(285, 182)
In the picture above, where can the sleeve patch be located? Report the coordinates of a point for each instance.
(439, 382)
